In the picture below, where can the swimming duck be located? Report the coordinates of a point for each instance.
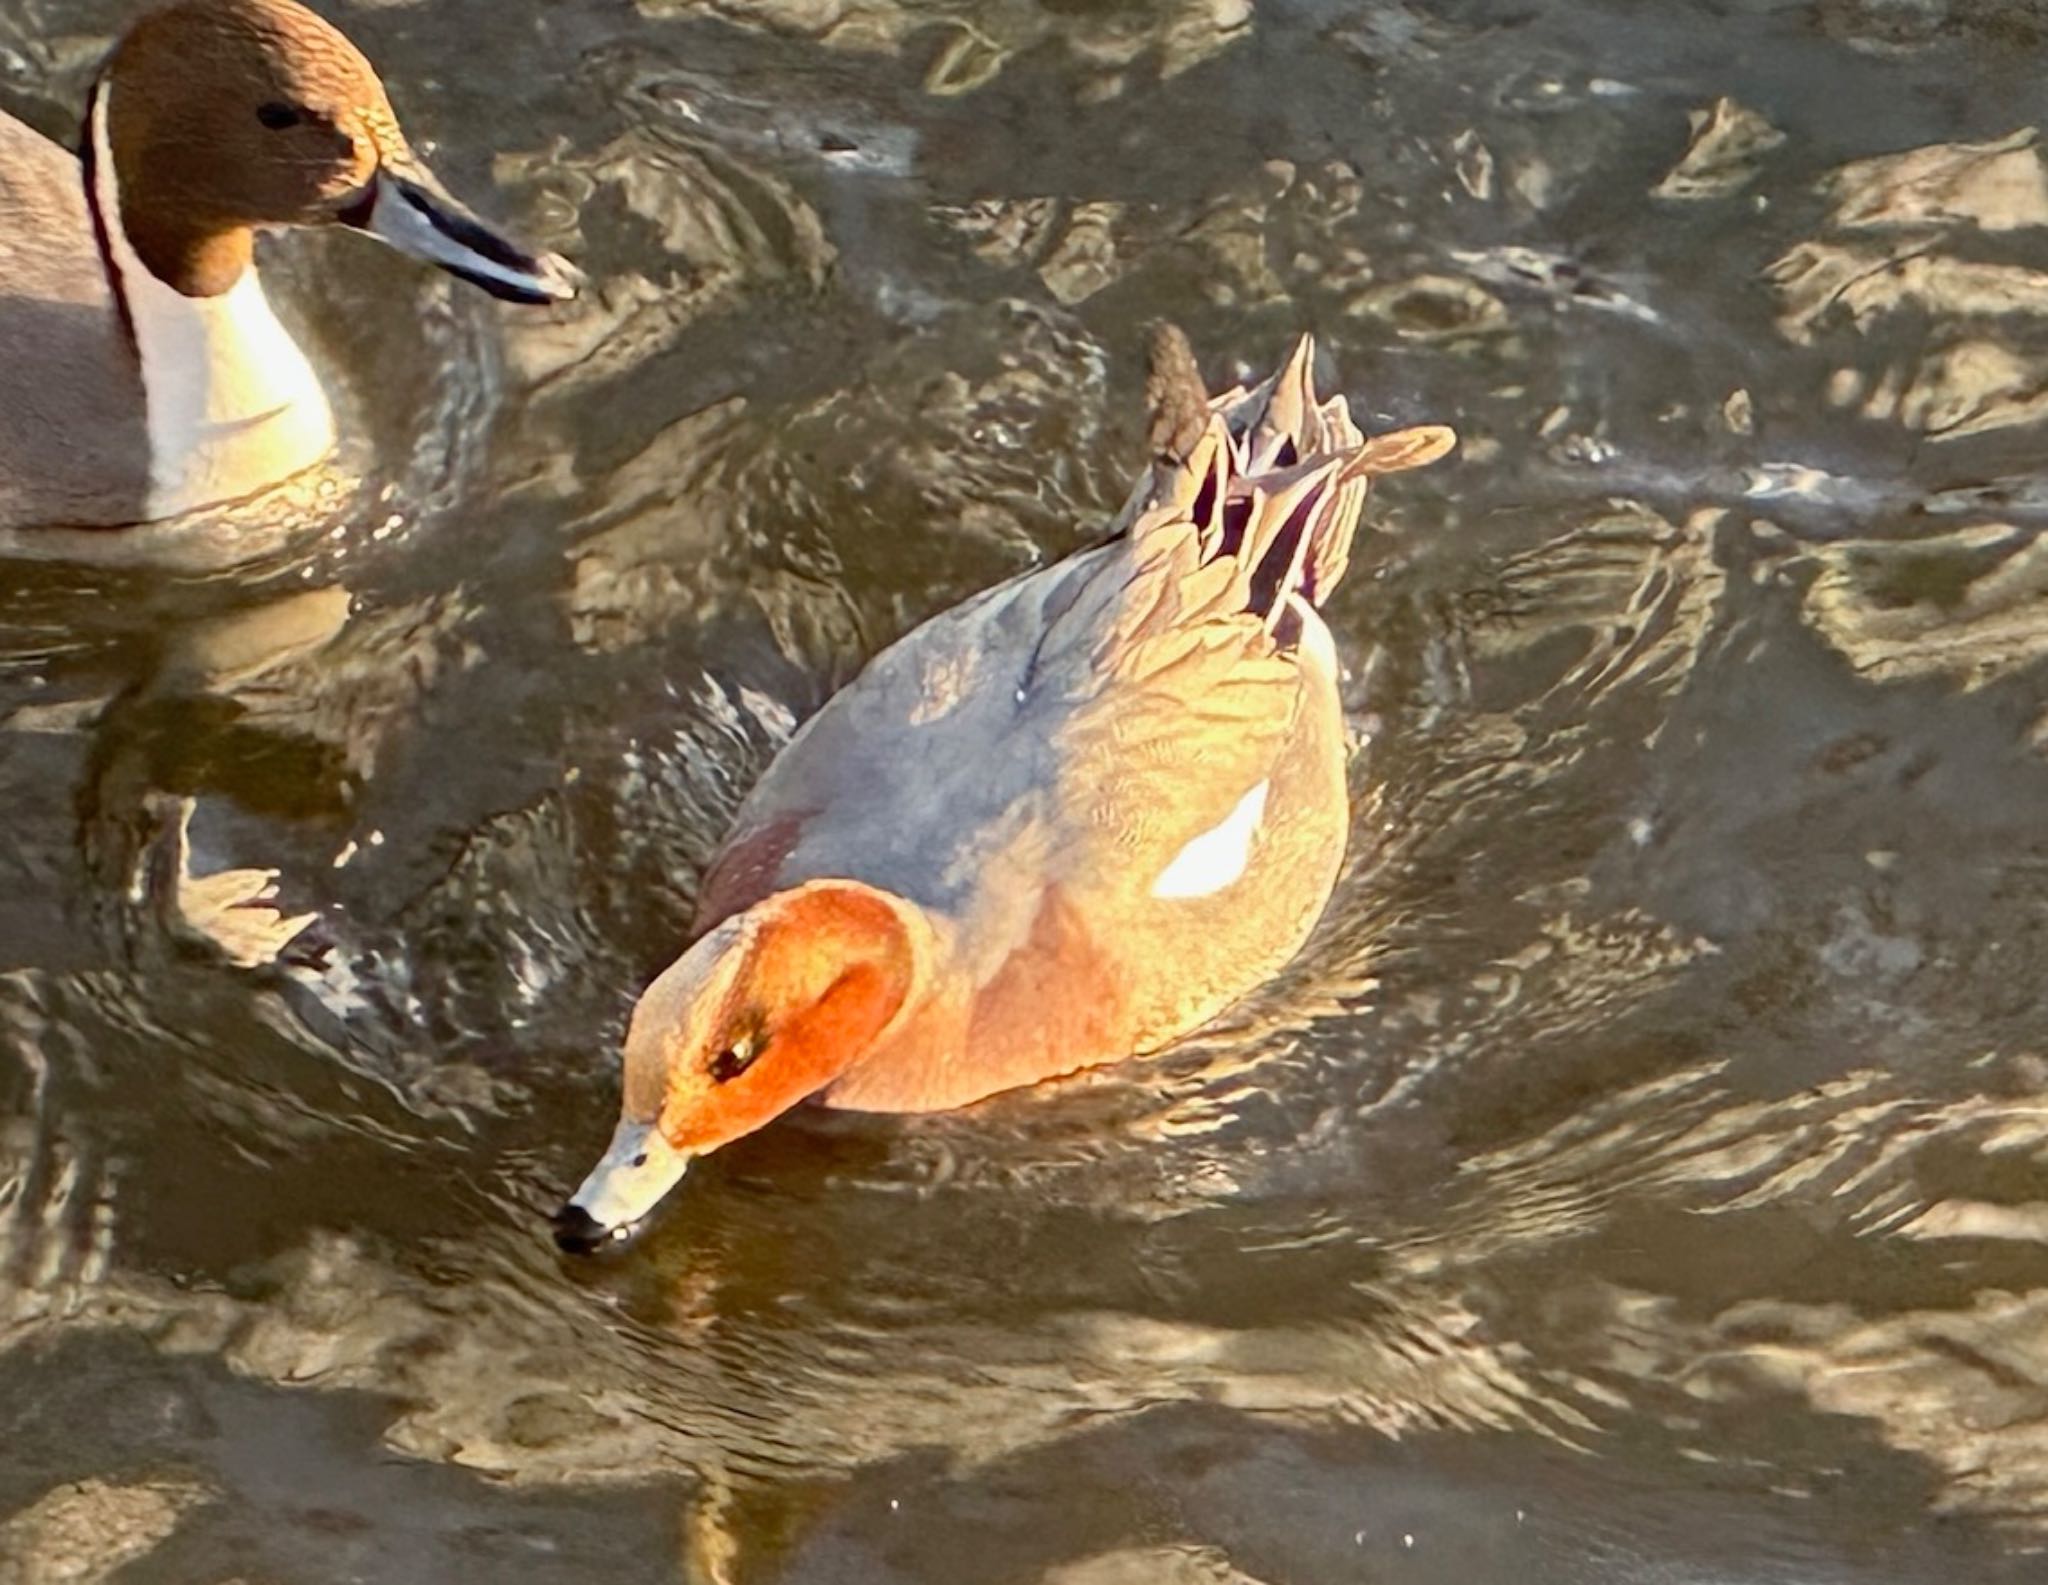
(145, 374)
(1062, 823)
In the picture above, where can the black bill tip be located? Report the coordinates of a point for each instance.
(505, 291)
(577, 1232)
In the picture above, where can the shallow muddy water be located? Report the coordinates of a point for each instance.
(1643, 1176)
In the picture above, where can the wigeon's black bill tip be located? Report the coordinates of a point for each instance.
(577, 1232)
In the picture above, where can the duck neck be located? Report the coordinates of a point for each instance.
(231, 404)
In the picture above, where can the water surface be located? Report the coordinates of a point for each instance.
(1643, 1176)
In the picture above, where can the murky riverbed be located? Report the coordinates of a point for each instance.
(1644, 1174)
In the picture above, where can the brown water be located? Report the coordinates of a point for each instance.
(1643, 1177)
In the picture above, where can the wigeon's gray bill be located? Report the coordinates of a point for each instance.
(635, 1172)
(1069, 820)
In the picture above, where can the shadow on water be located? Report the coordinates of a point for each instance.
(1638, 1178)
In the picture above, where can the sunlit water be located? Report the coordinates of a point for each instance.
(1643, 1176)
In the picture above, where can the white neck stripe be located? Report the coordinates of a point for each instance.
(231, 404)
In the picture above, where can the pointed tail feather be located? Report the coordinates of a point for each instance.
(1271, 480)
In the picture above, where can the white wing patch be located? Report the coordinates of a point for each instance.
(1218, 856)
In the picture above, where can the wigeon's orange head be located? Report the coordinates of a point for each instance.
(221, 117)
(762, 1011)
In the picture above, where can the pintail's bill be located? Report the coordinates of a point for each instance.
(406, 207)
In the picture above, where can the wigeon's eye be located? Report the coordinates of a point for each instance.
(730, 1063)
(278, 116)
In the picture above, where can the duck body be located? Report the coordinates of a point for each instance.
(1063, 823)
(74, 442)
(1103, 856)
(146, 374)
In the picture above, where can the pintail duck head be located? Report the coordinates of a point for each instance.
(223, 117)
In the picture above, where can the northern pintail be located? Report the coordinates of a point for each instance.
(143, 373)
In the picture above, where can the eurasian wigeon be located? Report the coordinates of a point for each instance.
(145, 374)
(1062, 823)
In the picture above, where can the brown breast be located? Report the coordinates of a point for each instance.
(1054, 1006)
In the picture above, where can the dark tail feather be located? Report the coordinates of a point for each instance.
(1175, 398)
(1248, 509)
(1272, 478)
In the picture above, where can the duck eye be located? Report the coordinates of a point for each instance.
(278, 116)
(730, 1063)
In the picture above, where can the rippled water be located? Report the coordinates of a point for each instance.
(1642, 1177)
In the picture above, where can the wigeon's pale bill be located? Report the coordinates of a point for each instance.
(1065, 822)
(145, 374)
